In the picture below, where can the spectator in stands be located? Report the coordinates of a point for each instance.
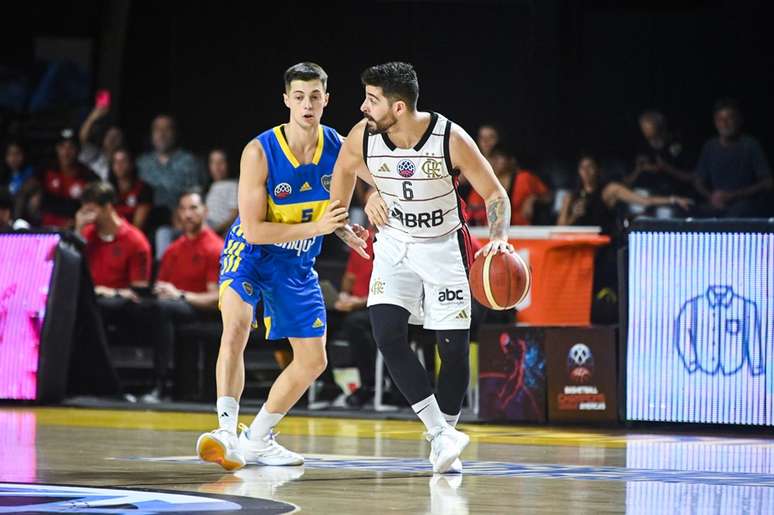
(733, 174)
(187, 282)
(524, 187)
(170, 171)
(19, 177)
(594, 201)
(134, 198)
(63, 184)
(660, 166)
(221, 202)
(98, 157)
(356, 326)
(16, 172)
(487, 138)
(118, 253)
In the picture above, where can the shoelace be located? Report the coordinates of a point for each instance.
(270, 439)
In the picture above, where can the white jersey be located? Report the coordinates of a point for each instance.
(418, 184)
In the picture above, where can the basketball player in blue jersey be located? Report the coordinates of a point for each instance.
(422, 251)
(284, 210)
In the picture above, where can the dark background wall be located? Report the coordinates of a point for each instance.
(558, 76)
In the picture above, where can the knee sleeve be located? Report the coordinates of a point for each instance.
(454, 375)
(390, 330)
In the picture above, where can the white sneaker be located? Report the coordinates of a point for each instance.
(220, 446)
(446, 445)
(266, 451)
(455, 468)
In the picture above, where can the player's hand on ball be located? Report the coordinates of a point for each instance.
(494, 247)
(376, 209)
(333, 218)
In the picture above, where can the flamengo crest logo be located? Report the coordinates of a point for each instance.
(282, 190)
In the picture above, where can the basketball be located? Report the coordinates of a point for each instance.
(500, 281)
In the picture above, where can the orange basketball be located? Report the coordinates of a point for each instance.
(500, 281)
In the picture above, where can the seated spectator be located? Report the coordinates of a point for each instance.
(660, 166)
(487, 137)
(119, 259)
(187, 282)
(524, 188)
(63, 184)
(356, 325)
(594, 201)
(170, 171)
(134, 198)
(733, 174)
(17, 172)
(222, 208)
(98, 157)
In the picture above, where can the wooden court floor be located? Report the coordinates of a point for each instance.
(143, 462)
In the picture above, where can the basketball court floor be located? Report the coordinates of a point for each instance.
(66, 460)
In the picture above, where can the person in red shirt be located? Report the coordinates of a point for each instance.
(63, 184)
(135, 198)
(524, 187)
(187, 283)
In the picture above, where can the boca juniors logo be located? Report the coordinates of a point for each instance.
(406, 168)
(282, 190)
(325, 180)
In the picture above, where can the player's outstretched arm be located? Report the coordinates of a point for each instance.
(348, 166)
(253, 200)
(466, 157)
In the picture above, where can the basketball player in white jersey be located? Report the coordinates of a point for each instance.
(421, 253)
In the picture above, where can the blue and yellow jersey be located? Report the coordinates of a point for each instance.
(296, 193)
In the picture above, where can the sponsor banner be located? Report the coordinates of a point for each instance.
(581, 374)
(512, 382)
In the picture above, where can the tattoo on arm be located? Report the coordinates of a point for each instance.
(498, 213)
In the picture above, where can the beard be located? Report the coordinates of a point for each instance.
(381, 126)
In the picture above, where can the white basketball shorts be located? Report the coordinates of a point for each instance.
(429, 279)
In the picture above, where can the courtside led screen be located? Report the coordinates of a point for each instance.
(26, 265)
(701, 327)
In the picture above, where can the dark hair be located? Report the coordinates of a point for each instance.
(305, 71)
(502, 149)
(398, 82)
(6, 199)
(657, 117)
(726, 103)
(494, 126)
(15, 143)
(165, 115)
(112, 179)
(193, 190)
(100, 193)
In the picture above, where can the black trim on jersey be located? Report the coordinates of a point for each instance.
(365, 145)
(463, 238)
(422, 140)
(446, 153)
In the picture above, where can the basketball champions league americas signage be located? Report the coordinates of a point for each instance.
(700, 339)
(581, 374)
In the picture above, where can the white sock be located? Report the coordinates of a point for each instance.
(452, 419)
(430, 414)
(228, 412)
(263, 423)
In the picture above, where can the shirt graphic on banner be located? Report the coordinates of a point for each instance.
(719, 332)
